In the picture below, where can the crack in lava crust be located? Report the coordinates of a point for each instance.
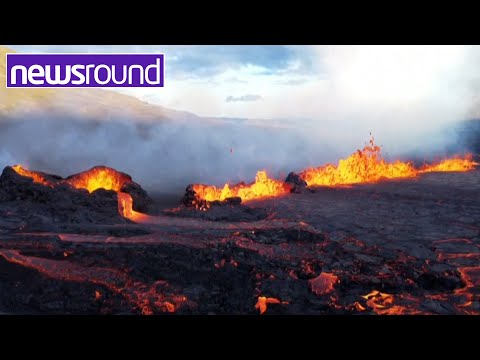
(141, 296)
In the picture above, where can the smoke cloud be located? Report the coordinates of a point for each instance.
(162, 157)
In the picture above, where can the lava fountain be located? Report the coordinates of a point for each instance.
(363, 166)
(263, 186)
(368, 166)
(99, 177)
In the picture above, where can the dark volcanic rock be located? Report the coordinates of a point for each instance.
(42, 205)
(220, 211)
(228, 201)
(190, 198)
(298, 185)
(124, 183)
(236, 200)
(308, 269)
(141, 201)
(445, 281)
(285, 235)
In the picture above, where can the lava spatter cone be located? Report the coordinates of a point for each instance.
(100, 189)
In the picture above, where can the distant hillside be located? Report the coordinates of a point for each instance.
(95, 103)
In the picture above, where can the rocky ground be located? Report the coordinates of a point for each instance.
(397, 247)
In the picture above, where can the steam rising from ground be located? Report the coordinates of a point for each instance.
(410, 98)
(163, 157)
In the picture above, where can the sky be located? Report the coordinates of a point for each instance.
(314, 82)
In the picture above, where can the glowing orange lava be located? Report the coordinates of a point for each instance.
(170, 307)
(363, 166)
(367, 166)
(99, 178)
(125, 208)
(38, 178)
(471, 277)
(383, 304)
(262, 302)
(454, 164)
(323, 284)
(262, 187)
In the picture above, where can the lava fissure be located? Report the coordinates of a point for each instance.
(363, 166)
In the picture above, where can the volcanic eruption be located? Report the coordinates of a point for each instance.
(298, 259)
(262, 186)
(363, 166)
(132, 199)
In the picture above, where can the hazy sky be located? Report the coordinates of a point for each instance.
(304, 81)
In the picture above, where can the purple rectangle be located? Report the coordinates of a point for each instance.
(84, 70)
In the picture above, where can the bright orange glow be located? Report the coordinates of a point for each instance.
(262, 302)
(99, 178)
(170, 307)
(125, 208)
(363, 166)
(367, 166)
(471, 277)
(454, 164)
(262, 187)
(359, 306)
(38, 178)
(93, 179)
(323, 284)
(383, 303)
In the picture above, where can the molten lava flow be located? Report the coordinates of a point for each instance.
(471, 277)
(169, 306)
(323, 284)
(262, 302)
(125, 208)
(38, 178)
(125, 204)
(108, 179)
(262, 187)
(363, 166)
(454, 164)
(383, 304)
(99, 178)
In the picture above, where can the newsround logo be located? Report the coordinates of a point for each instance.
(84, 70)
